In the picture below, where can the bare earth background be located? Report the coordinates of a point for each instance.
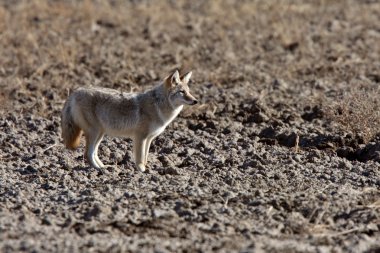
(227, 175)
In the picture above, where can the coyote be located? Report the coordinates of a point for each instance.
(139, 116)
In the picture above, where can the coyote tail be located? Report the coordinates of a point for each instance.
(70, 131)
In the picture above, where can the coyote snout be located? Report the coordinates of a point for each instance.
(142, 117)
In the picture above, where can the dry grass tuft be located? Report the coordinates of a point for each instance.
(356, 111)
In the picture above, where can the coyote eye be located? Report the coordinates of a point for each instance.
(181, 92)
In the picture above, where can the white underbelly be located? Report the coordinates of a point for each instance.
(119, 133)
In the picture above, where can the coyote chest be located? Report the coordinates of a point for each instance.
(164, 121)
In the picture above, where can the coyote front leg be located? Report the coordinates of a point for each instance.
(139, 152)
(147, 146)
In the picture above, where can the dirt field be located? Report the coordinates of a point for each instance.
(270, 161)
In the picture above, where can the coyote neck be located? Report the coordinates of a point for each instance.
(165, 109)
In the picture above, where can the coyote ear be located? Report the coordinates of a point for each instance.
(172, 80)
(175, 78)
(186, 78)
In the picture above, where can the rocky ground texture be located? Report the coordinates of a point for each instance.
(258, 166)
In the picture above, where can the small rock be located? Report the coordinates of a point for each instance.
(171, 171)
(46, 221)
(346, 164)
(92, 212)
(161, 213)
(166, 162)
(28, 170)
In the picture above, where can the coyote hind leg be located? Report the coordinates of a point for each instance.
(98, 140)
(93, 140)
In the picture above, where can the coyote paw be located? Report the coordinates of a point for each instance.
(141, 167)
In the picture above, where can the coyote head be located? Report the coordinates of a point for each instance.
(178, 89)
